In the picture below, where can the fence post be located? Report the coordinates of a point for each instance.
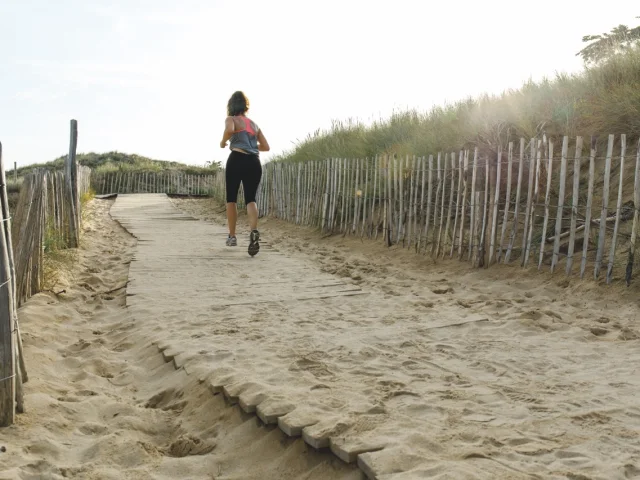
(7, 352)
(71, 174)
(636, 218)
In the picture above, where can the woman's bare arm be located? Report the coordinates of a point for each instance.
(263, 145)
(229, 128)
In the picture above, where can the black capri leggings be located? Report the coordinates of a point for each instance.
(245, 168)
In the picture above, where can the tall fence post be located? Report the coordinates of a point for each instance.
(71, 173)
(7, 342)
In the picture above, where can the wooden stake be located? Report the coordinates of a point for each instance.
(375, 219)
(507, 202)
(587, 216)
(536, 192)
(561, 193)
(463, 206)
(451, 190)
(516, 209)
(496, 204)
(416, 170)
(474, 208)
(455, 222)
(72, 186)
(636, 219)
(427, 219)
(439, 198)
(574, 204)
(485, 213)
(389, 212)
(422, 162)
(476, 229)
(411, 203)
(7, 325)
(527, 214)
(605, 207)
(547, 203)
(612, 253)
(325, 203)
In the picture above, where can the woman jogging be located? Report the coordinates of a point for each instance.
(243, 166)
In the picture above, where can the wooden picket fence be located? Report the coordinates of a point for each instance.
(176, 183)
(534, 203)
(48, 216)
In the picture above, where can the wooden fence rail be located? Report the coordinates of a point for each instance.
(47, 217)
(528, 202)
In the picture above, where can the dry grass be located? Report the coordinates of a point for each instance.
(600, 100)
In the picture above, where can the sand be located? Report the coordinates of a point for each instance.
(103, 404)
(405, 367)
(541, 383)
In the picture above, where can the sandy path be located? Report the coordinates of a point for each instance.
(546, 387)
(103, 404)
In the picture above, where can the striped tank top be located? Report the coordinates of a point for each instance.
(247, 138)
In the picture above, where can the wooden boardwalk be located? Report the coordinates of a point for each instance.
(409, 377)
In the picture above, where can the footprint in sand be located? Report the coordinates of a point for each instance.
(92, 429)
(187, 445)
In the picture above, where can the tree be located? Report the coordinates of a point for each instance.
(606, 45)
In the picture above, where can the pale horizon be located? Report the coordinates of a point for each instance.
(153, 79)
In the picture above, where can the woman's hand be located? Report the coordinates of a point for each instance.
(223, 144)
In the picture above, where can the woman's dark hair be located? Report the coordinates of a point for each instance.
(238, 104)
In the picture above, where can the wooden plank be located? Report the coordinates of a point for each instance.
(547, 203)
(574, 204)
(472, 229)
(560, 211)
(587, 215)
(536, 192)
(612, 252)
(605, 208)
(636, 219)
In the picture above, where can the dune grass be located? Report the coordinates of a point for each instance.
(600, 100)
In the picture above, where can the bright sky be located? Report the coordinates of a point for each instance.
(153, 76)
